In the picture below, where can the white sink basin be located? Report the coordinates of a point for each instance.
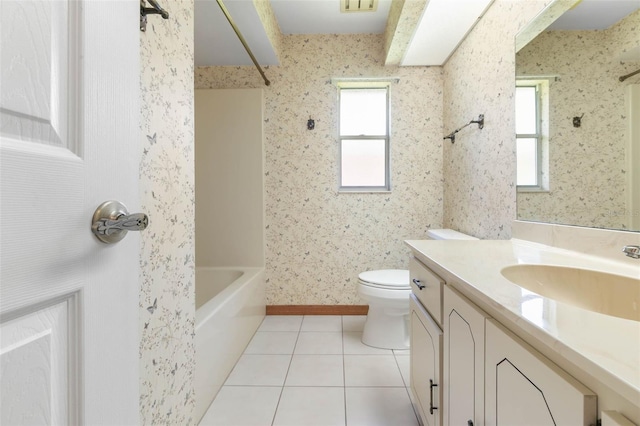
(608, 294)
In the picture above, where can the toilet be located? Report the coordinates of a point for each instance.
(387, 292)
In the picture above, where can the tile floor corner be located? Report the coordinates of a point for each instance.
(314, 370)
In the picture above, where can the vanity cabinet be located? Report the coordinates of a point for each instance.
(426, 365)
(524, 387)
(477, 372)
(463, 378)
(509, 358)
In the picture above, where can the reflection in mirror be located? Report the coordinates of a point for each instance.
(583, 153)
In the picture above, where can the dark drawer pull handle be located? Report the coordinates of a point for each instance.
(469, 422)
(419, 284)
(431, 386)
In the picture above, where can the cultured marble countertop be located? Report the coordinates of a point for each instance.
(607, 347)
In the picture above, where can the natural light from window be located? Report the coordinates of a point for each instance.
(527, 136)
(363, 112)
(364, 142)
(526, 162)
(363, 162)
(533, 307)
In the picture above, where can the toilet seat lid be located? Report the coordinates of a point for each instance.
(397, 279)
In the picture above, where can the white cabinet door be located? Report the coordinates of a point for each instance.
(463, 378)
(426, 363)
(525, 388)
(69, 108)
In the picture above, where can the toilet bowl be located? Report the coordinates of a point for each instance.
(387, 292)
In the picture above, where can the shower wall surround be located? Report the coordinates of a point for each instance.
(480, 167)
(318, 240)
(167, 298)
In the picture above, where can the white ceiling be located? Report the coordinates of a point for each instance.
(324, 17)
(595, 14)
(443, 24)
(216, 43)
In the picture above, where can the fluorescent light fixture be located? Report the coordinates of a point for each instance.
(444, 24)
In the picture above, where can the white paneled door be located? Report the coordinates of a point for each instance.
(69, 113)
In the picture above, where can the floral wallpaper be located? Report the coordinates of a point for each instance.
(318, 240)
(587, 166)
(479, 168)
(167, 301)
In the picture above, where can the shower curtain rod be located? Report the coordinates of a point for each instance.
(243, 41)
(631, 74)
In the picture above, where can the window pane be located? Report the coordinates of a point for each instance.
(526, 110)
(527, 159)
(363, 112)
(363, 162)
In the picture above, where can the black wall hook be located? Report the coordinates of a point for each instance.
(577, 121)
(154, 10)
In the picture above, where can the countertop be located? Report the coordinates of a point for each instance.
(606, 347)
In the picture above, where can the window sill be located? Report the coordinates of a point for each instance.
(364, 191)
(533, 189)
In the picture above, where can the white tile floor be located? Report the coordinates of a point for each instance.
(314, 370)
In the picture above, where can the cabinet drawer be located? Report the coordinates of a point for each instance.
(427, 287)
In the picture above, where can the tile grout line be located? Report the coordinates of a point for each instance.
(344, 372)
(343, 353)
(407, 386)
(275, 413)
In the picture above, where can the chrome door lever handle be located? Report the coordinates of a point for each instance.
(111, 222)
(132, 222)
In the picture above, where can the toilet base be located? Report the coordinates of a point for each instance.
(386, 330)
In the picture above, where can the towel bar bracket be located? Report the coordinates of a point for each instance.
(155, 9)
(479, 122)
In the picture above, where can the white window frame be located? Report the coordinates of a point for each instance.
(541, 135)
(367, 85)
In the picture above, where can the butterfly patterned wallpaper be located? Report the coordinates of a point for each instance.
(480, 167)
(167, 297)
(318, 240)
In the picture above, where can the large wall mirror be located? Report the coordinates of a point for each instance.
(577, 123)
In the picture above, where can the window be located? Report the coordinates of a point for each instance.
(531, 139)
(364, 138)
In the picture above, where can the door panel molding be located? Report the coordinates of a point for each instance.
(39, 74)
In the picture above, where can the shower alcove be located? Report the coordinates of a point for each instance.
(229, 227)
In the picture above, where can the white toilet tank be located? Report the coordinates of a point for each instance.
(447, 234)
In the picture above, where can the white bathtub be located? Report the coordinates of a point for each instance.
(230, 305)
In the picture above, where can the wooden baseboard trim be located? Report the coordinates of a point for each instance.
(317, 309)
